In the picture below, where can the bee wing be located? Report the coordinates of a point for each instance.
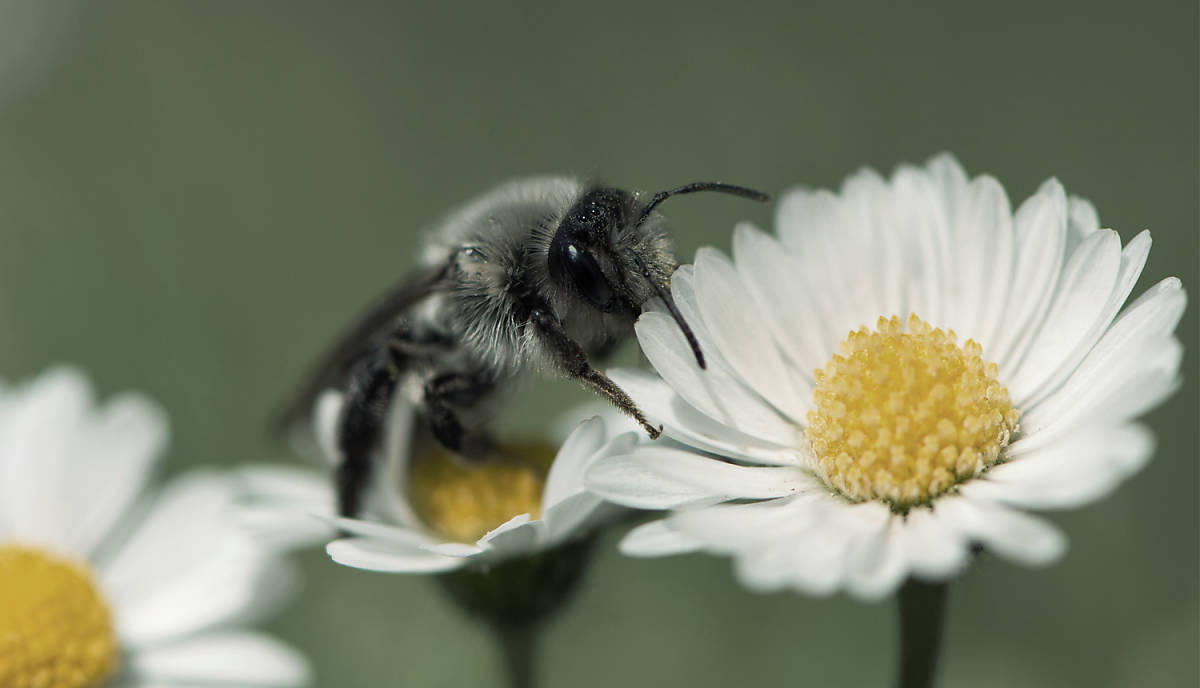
(357, 340)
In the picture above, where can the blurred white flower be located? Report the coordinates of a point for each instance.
(102, 585)
(433, 513)
(909, 443)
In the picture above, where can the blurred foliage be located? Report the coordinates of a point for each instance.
(194, 196)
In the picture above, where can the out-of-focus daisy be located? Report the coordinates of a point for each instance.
(431, 512)
(101, 585)
(986, 371)
(509, 536)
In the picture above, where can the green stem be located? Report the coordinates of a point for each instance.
(518, 643)
(922, 616)
(516, 598)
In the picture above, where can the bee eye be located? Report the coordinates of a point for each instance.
(568, 259)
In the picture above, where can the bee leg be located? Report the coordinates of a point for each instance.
(371, 384)
(441, 394)
(574, 363)
(415, 339)
(360, 427)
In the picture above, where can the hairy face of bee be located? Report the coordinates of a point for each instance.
(591, 237)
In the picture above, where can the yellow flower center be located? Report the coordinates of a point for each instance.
(463, 501)
(55, 629)
(904, 416)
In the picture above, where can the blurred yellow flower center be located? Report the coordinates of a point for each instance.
(463, 501)
(904, 416)
(55, 629)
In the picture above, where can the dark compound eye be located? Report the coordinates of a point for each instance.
(567, 259)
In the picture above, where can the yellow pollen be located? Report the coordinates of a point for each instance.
(463, 501)
(55, 629)
(904, 416)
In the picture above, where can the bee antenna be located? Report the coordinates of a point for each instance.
(675, 314)
(701, 186)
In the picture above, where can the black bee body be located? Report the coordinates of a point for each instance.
(537, 275)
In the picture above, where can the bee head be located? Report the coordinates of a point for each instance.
(606, 251)
(583, 242)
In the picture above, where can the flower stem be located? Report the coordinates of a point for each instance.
(514, 599)
(922, 616)
(518, 643)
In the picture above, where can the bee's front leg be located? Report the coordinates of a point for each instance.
(573, 362)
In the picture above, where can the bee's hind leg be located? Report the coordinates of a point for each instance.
(369, 389)
(360, 427)
(442, 394)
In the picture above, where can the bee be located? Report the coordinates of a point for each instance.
(542, 274)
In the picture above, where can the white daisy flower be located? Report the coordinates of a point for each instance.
(433, 513)
(986, 371)
(101, 585)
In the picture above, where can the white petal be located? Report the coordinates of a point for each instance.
(1154, 314)
(774, 277)
(1040, 242)
(511, 524)
(400, 535)
(388, 492)
(664, 478)
(1008, 533)
(950, 180)
(1133, 346)
(802, 215)
(713, 392)
(282, 528)
(1133, 258)
(1143, 377)
(866, 276)
(1110, 406)
(868, 221)
(461, 550)
(574, 456)
(230, 658)
(285, 507)
(39, 448)
(1085, 286)
(981, 232)
(683, 292)
(683, 423)
(325, 421)
(740, 329)
(737, 527)
(876, 562)
(284, 483)
(188, 566)
(1053, 190)
(573, 514)
(116, 452)
(519, 535)
(1077, 469)
(919, 210)
(378, 555)
(1083, 217)
(188, 529)
(813, 563)
(231, 588)
(813, 227)
(658, 539)
(934, 548)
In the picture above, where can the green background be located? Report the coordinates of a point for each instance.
(194, 197)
